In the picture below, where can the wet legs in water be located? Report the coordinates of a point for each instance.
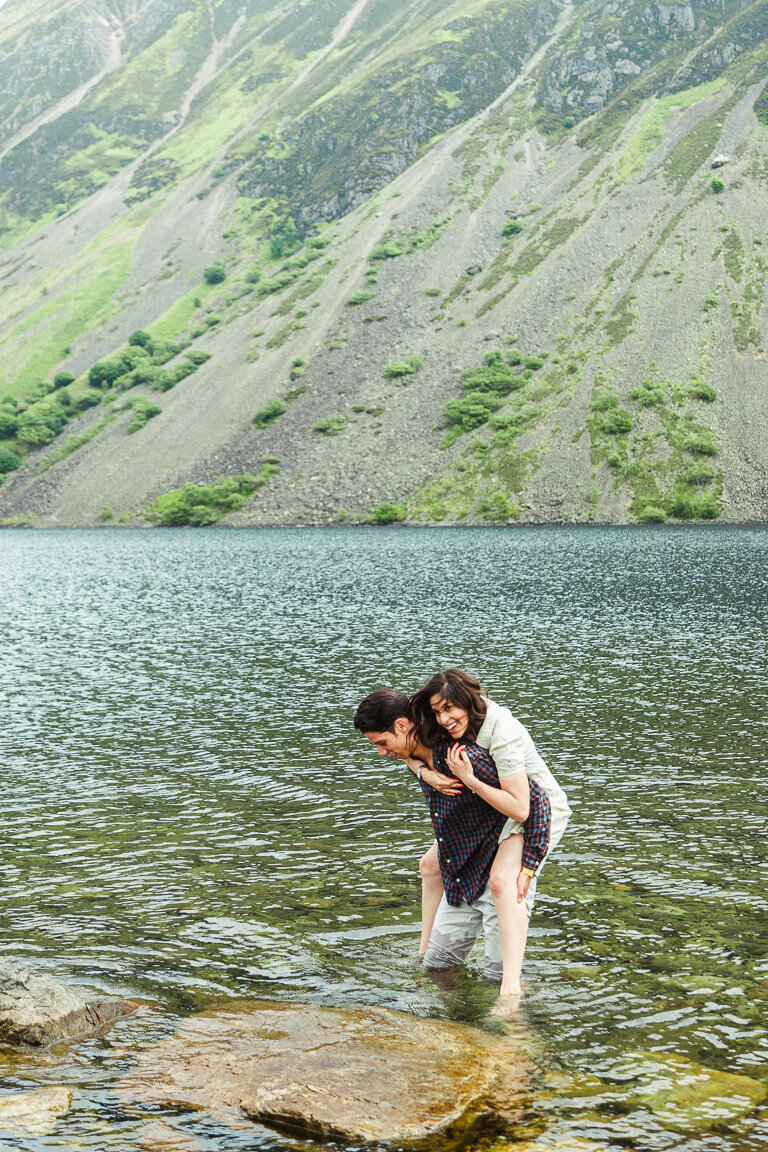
(512, 914)
(431, 894)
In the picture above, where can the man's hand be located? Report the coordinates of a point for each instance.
(523, 883)
(445, 784)
(460, 765)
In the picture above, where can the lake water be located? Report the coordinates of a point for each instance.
(188, 815)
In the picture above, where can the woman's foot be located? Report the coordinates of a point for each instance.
(507, 1003)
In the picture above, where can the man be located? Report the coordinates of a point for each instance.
(466, 829)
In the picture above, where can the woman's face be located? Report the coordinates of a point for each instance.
(449, 716)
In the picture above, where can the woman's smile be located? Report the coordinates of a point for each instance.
(450, 716)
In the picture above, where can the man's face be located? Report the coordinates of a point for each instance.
(392, 743)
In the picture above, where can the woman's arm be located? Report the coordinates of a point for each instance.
(445, 784)
(512, 798)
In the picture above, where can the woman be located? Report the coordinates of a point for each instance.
(453, 703)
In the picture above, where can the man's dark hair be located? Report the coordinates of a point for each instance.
(378, 712)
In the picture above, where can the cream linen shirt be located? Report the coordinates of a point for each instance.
(513, 751)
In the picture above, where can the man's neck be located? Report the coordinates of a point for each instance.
(421, 752)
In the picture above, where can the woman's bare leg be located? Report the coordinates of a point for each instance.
(431, 894)
(513, 916)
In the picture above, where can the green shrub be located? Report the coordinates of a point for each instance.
(331, 426)
(615, 421)
(197, 356)
(700, 390)
(269, 412)
(533, 363)
(9, 460)
(432, 292)
(690, 508)
(201, 505)
(389, 513)
(604, 401)
(143, 411)
(652, 514)
(496, 378)
(63, 379)
(88, 399)
(407, 367)
(359, 298)
(701, 445)
(702, 473)
(386, 251)
(215, 273)
(512, 227)
(8, 422)
(141, 339)
(33, 430)
(717, 185)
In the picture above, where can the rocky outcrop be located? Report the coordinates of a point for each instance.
(33, 1113)
(366, 1075)
(38, 1010)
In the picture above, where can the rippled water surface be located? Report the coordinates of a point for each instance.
(188, 815)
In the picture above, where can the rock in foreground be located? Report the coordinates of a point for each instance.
(37, 1010)
(33, 1113)
(363, 1075)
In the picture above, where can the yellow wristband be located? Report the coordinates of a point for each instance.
(528, 872)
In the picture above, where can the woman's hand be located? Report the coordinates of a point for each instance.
(523, 883)
(459, 764)
(444, 784)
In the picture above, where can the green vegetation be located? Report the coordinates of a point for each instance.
(717, 185)
(485, 389)
(407, 367)
(331, 426)
(389, 513)
(652, 514)
(269, 412)
(512, 227)
(215, 273)
(359, 298)
(9, 460)
(143, 411)
(200, 505)
(651, 129)
(700, 390)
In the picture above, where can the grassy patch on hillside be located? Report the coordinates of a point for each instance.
(74, 307)
(199, 505)
(650, 131)
(656, 445)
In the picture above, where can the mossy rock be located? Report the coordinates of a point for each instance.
(688, 1097)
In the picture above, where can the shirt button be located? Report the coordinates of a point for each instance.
(440, 839)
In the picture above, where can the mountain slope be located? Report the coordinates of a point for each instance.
(464, 262)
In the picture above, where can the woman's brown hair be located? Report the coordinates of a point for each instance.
(455, 687)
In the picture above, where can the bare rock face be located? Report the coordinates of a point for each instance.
(365, 1075)
(33, 1113)
(37, 1010)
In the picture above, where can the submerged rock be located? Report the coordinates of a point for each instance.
(687, 1097)
(365, 1075)
(37, 1010)
(33, 1113)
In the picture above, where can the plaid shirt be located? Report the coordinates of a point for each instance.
(467, 828)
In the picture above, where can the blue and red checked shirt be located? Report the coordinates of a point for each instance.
(467, 828)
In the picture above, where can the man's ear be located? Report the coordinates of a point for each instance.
(401, 725)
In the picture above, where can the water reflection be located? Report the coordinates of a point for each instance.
(187, 813)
